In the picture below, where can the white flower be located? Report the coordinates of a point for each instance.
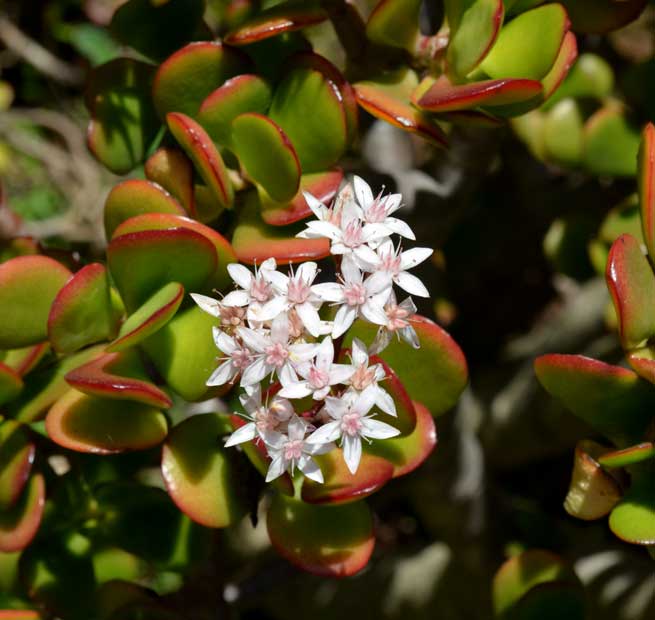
(291, 450)
(351, 423)
(231, 316)
(272, 352)
(318, 376)
(392, 265)
(399, 318)
(377, 210)
(322, 213)
(358, 297)
(295, 292)
(238, 358)
(261, 417)
(367, 377)
(255, 289)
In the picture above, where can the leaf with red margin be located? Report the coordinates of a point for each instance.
(82, 312)
(142, 262)
(408, 453)
(628, 456)
(136, 197)
(646, 183)
(446, 97)
(267, 155)
(185, 78)
(159, 221)
(16, 458)
(150, 317)
(284, 17)
(238, 95)
(611, 399)
(28, 286)
(633, 519)
(19, 524)
(86, 423)
(19, 614)
(119, 376)
(568, 52)
(26, 359)
(435, 375)
(11, 383)
(394, 23)
(123, 121)
(204, 155)
(631, 283)
(197, 471)
(601, 16)
(254, 241)
(329, 541)
(172, 169)
(322, 185)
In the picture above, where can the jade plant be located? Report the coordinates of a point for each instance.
(616, 476)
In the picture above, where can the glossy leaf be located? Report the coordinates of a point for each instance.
(184, 80)
(28, 286)
(568, 52)
(628, 456)
(123, 120)
(600, 16)
(10, 383)
(16, 458)
(204, 154)
(267, 154)
(395, 23)
(25, 359)
(172, 170)
(646, 183)
(563, 133)
(198, 474)
(611, 399)
(330, 541)
(142, 262)
(19, 524)
(631, 283)
(101, 426)
(633, 520)
(528, 46)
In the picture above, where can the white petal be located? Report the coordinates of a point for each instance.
(317, 207)
(287, 375)
(381, 341)
(336, 407)
(378, 430)
(245, 433)
(253, 339)
(296, 389)
(372, 232)
(301, 352)
(340, 373)
(337, 248)
(279, 280)
(400, 228)
(236, 298)
(309, 317)
(384, 402)
(224, 342)
(408, 334)
(363, 192)
(365, 401)
(373, 311)
(411, 284)
(352, 452)
(307, 272)
(268, 265)
(222, 374)
(325, 354)
(326, 433)
(344, 318)
(297, 428)
(207, 304)
(275, 469)
(319, 448)
(324, 229)
(280, 329)
(308, 466)
(359, 355)
(350, 270)
(255, 372)
(328, 291)
(414, 257)
(272, 308)
(240, 274)
(377, 282)
(392, 202)
(366, 257)
(274, 441)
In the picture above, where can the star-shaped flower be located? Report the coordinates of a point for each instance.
(399, 318)
(255, 289)
(237, 358)
(392, 265)
(367, 377)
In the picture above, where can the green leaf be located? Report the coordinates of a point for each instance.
(267, 155)
(563, 133)
(25, 359)
(395, 23)
(628, 456)
(16, 456)
(19, 524)
(601, 16)
(646, 182)
(199, 476)
(330, 541)
(28, 286)
(633, 520)
(11, 383)
(171, 169)
(566, 56)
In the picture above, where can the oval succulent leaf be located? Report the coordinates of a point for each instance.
(646, 182)
(395, 23)
(171, 169)
(563, 133)
(20, 523)
(11, 383)
(25, 359)
(633, 519)
(568, 52)
(628, 456)
(601, 16)
(17, 456)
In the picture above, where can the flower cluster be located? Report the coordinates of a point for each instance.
(272, 329)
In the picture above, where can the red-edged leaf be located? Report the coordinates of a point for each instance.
(16, 455)
(628, 456)
(394, 23)
(26, 359)
(568, 52)
(19, 614)
(646, 182)
(633, 519)
(19, 524)
(10, 383)
(172, 169)
(330, 541)
(86, 423)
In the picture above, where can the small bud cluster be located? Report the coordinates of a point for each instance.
(271, 329)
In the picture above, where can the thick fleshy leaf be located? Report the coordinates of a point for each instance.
(47, 385)
(633, 520)
(267, 154)
(600, 16)
(142, 262)
(611, 143)
(150, 317)
(204, 154)
(628, 456)
(646, 182)
(19, 524)
(284, 17)
(238, 95)
(330, 541)
(184, 352)
(157, 29)
(622, 219)
(407, 453)
(405, 420)
(592, 492)
(123, 120)
(172, 169)
(474, 33)
(395, 23)
(443, 96)
(322, 185)
(10, 383)
(25, 359)
(119, 376)
(435, 375)
(19, 614)
(340, 486)
(16, 458)
(555, 599)
(611, 399)
(254, 241)
(631, 283)
(184, 80)
(135, 197)
(161, 221)
(528, 46)
(321, 138)
(82, 312)
(198, 474)
(563, 133)
(86, 423)
(568, 52)
(28, 286)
